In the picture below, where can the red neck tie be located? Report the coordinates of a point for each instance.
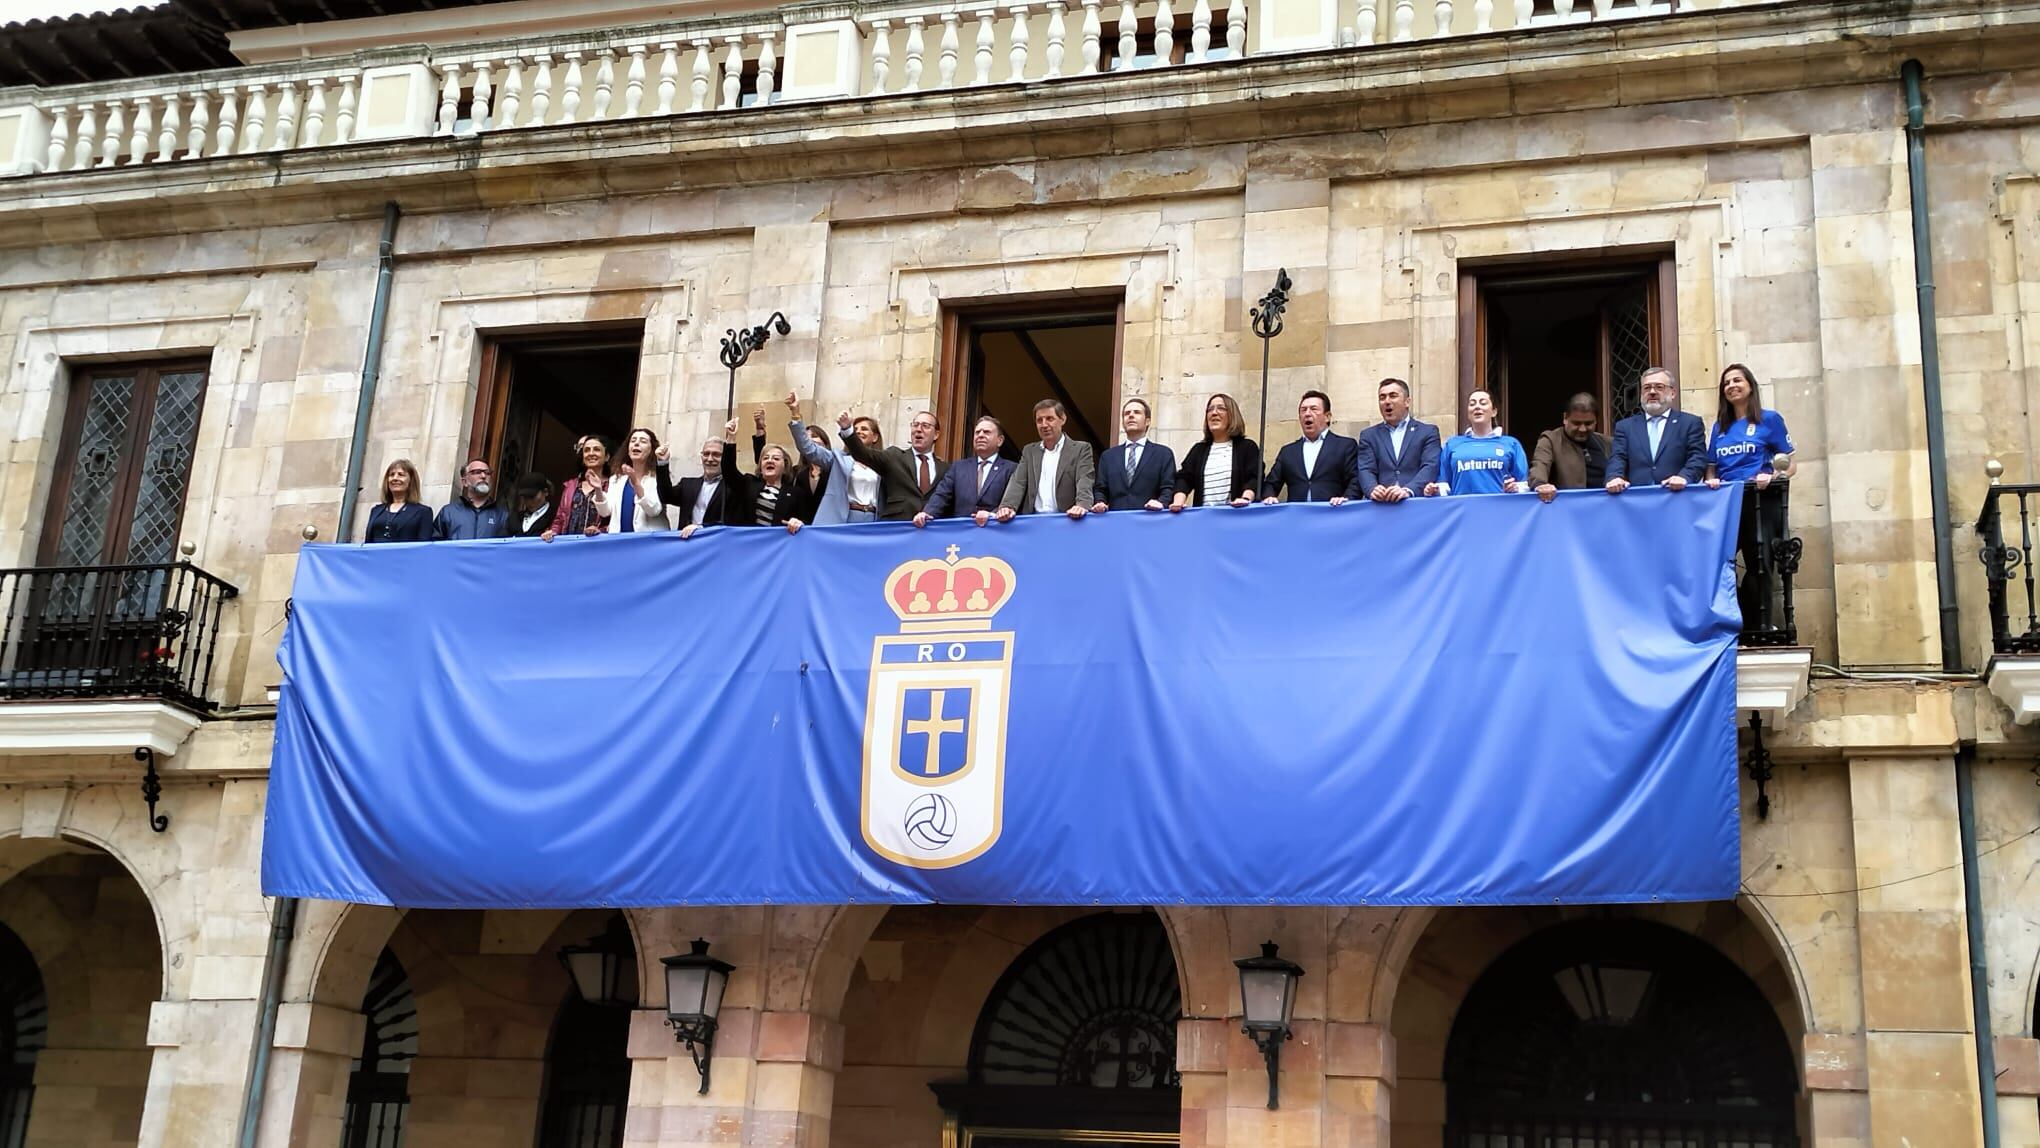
(923, 466)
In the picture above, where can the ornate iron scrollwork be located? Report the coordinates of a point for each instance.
(1759, 764)
(152, 788)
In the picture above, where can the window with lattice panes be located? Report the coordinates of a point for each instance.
(124, 465)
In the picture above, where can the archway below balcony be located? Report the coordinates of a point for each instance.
(968, 1018)
(81, 965)
(1444, 1004)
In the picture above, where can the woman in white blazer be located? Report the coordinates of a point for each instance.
(635, 486)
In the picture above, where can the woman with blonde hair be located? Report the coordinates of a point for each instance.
(399, 516)
(1225, 467)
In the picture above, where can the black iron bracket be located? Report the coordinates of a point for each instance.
(700, 1042)
(152, 788)
(1270, 1044)
(1759, 765)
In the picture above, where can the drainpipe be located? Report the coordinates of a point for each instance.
(371, 370)
(1911, 75)
(1979, 967)
(1930, 366)
(283, 925)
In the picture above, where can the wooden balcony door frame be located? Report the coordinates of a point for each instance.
(955, 371)
(127, 480)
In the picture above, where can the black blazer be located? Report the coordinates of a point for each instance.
(899, 487)
(739, 492)
(411, 522)
(1156, 478)
(1336, 475)
(683, 493)
(516, 528)
(1246, 472)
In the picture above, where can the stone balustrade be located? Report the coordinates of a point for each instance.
(718, 64)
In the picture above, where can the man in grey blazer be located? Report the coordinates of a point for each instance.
(1055, 474)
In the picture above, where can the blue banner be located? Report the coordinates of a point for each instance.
(1479, 699)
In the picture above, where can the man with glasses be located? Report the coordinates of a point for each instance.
(1659, 445)
(476, 513)
(906, 476)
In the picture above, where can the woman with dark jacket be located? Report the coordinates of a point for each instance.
(1225, 467)
(399, 517)
(768, 498)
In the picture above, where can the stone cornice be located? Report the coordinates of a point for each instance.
(1726, 54)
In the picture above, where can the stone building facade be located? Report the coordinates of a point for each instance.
(1396, 160)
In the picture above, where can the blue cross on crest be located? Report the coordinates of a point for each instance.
(935, 730)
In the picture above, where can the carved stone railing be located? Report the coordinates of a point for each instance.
(722, 63)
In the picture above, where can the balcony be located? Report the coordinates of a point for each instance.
(716, 65)
(107, 658)
(2006, 550)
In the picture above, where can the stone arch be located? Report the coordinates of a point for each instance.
(92, 929)
(1445, 951)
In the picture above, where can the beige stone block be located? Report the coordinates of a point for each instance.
(1915, 971)
(1923, 1089)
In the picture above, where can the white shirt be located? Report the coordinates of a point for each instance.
(1656, 425)
(1218, 474)
(1396, 432)
(1136, 450)
(919, 458)
(1311, 447)
(531, 519)
(863, 484)
(709, 483)
(1044, 497)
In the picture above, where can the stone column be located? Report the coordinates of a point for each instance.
(1837, 1090)
(1877, 486)
(772, 1081)
(1919, 1047)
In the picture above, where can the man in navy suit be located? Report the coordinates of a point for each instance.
(1399, 454)
(1320, 466)
(1658, 446)
(1136, 474)
(972, 487)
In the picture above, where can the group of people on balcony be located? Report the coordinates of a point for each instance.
(860, 479)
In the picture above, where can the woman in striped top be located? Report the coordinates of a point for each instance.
(767, 498)
(1224, 468)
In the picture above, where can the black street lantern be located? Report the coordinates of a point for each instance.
(1267, 320)
(602, 968)
(1267, 1000)
(737, 346)
(694, 992)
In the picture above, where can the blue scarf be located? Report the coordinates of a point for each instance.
(629, 522)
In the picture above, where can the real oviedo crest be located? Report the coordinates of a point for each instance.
(935, 717)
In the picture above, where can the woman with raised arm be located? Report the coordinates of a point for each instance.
(584, 498)
(763, 499)
(397, 517)
(634, 488)
(1224, 468)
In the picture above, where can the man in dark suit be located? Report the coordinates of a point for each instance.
(906, 476)
(1057, 474)
(972, 488)
(1319, 467)
(1136, 474)
(1399, 454)
(696, 501)
(1658, 446)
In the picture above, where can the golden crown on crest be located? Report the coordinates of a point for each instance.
(940, 593)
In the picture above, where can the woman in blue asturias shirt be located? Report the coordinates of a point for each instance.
(1746, 439)
(1481, 459)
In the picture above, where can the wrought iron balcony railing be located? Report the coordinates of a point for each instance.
(2008, 563)
(1768, 567)
(147, 631)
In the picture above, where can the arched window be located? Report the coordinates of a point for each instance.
(379, 1088)
(24, 1017)
(1617, 1032)
(1080, 1033)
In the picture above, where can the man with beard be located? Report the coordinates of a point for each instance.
(1572, 455)
(1658, 446)
(476, 513)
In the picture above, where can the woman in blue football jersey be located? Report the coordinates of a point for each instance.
(1481, 459)
(1746, 441)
